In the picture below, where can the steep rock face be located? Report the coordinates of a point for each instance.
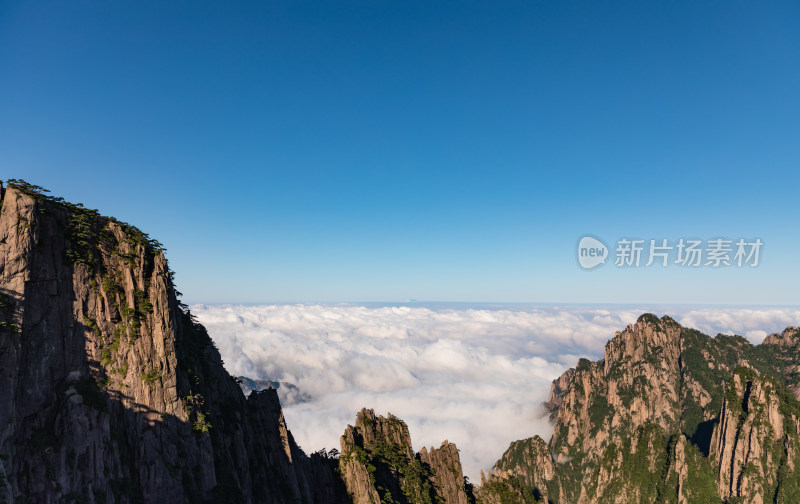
(109, 390)
(378, 464)
(786, 349)
(756, 445)
(558, 390)
(598, 406)
(652, 422)
(636, 383)
(446, 473)
(530, 461)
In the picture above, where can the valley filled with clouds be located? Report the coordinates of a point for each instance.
(475, 375)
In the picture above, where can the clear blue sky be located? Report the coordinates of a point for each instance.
(380, 151)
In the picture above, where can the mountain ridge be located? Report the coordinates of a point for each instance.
(662, 397)
(111, 392)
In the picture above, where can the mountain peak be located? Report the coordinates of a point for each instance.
(667, 412)
(789, 337)
(111, 390)
(644, 340)
(378, 464)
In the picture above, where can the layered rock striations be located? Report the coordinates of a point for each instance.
(669, 415)
(110, 392)
(755, 447)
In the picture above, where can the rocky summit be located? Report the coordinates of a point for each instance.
(378, 464)
(669, 415)
(112, 393)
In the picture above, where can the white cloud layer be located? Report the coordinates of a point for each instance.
(475, 376)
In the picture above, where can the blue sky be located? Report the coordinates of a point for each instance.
(442, 151)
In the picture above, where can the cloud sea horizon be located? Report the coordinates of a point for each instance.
(474, 374)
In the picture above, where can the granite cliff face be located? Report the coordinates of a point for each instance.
(669, 415)
(110, 392)
(378, 465)
(756, 445)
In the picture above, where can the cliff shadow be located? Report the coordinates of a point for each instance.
(702, 436)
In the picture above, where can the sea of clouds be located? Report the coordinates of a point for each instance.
(475, 375)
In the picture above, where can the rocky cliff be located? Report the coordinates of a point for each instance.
(110, 392)
(669, 415)
(755, 448)
(378, 465)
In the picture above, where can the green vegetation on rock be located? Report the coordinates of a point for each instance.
(638, 428)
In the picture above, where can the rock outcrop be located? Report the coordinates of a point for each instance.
(668, 415)
(446, 473)
(378, 465)
(785, 348)
(756, 444)
(531, 462)
(110, 392)
(287, 392)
